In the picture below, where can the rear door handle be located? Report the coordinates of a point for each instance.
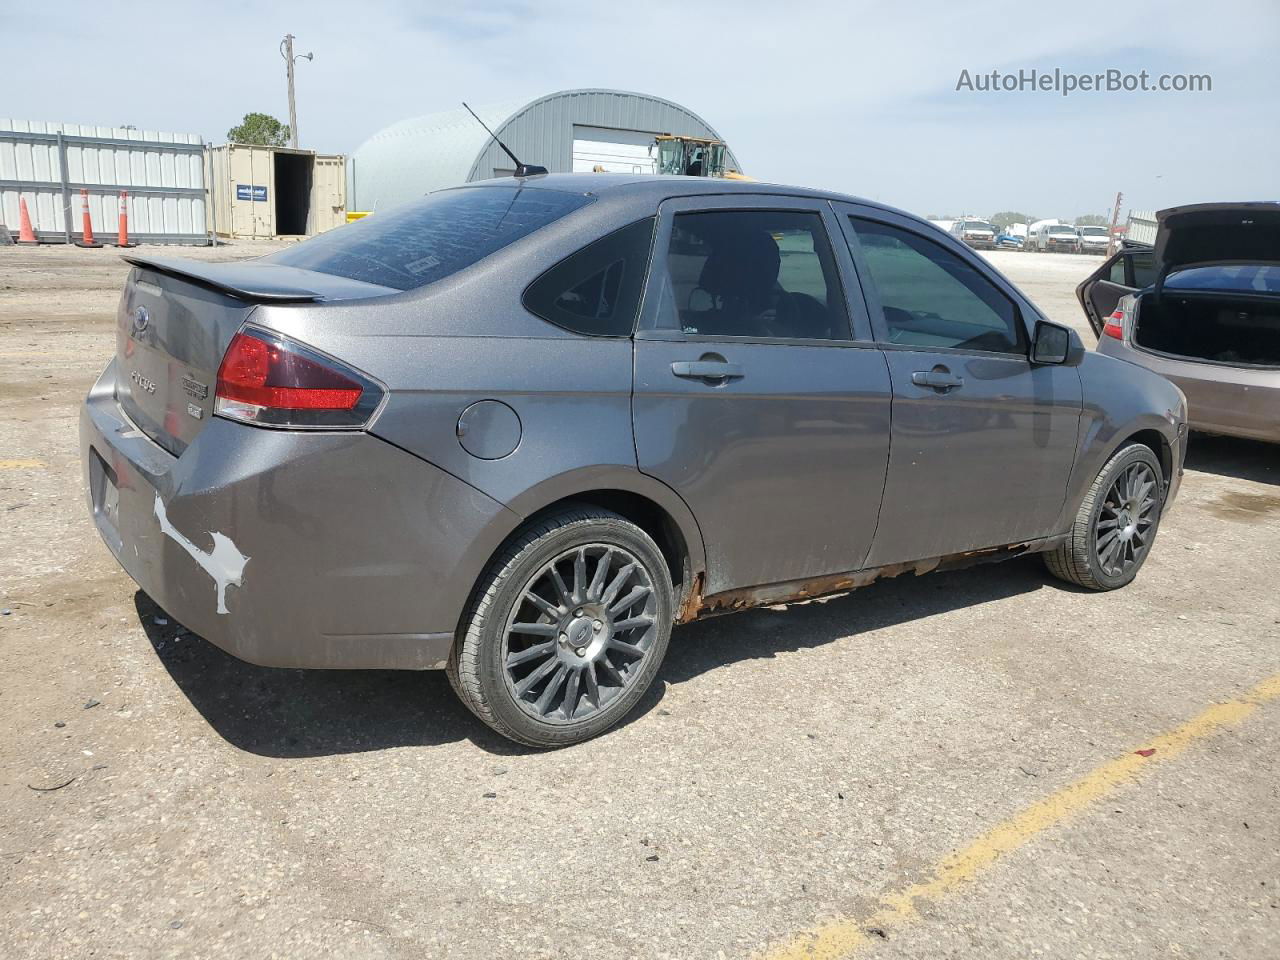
(938, 379)
(706, 369)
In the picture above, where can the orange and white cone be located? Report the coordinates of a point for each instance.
(122, 238)
(87, 239)
(25, 233)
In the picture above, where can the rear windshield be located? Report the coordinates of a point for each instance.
(1256, 278)
(429, 239)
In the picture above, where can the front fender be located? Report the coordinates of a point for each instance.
(1121, 400)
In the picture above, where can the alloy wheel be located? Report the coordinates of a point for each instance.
(580, 633)
(1126, 520)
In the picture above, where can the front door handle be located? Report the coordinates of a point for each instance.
(706, 369)
(939, 379)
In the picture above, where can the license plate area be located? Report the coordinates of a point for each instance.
(104, 494)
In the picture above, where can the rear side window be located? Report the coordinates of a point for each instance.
(596, 291)
(429, 239)
(1143, 263)
(756, 273)
(933, 298)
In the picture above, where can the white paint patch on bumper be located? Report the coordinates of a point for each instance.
(224, 563)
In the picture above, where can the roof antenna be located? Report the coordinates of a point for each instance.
(522, 169)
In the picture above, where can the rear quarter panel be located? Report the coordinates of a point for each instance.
(468, 338)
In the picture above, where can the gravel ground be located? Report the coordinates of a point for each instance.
(792, 765)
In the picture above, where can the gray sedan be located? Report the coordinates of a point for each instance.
(519, 429)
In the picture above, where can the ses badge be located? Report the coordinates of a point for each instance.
(197, 391)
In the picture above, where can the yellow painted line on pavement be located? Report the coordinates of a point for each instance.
(846, 936)
(21, 464)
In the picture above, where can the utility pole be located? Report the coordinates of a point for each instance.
(1115, 217)
(286, 51)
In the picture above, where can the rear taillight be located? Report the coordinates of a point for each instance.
(267, 379)
(1115, 324)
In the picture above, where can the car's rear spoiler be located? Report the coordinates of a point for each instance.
(262, 281)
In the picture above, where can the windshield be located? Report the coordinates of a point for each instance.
(1062, 228)
(1093, 231)
(1255, 278)
(978, 225)
(429, 239)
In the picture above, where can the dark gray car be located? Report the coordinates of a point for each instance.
(518, 429)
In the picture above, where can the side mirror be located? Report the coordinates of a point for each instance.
(1055, 344)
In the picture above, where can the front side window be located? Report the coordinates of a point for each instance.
(755, 273)
(596, 291)
(933, 298)
(429, 239)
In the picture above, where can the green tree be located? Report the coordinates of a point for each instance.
(260, 129)
(1092, 220)
(1006, 217)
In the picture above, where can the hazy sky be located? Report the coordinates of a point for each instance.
(857, 97)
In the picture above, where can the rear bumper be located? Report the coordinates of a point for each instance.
(290, 549)
(1234, 401)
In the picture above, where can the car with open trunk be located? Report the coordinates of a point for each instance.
(1201, 307)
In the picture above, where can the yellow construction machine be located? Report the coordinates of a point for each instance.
(693, 157)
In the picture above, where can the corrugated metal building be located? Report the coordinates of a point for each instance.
(569, 131)
(48, 164)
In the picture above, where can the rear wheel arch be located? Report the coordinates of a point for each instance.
(648, 503)
(646, 514)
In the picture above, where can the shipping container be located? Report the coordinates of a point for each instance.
(261, 192)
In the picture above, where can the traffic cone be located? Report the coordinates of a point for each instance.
(87, 240)
(122, 238)
(25, 233)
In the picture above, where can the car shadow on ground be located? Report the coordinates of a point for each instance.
(1232, 457)
(308, 713)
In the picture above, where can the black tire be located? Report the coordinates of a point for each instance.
(480, 668)
(1088, 557)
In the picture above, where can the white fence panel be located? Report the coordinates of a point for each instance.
(163, 173)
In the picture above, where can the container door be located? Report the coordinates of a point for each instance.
(249, 188)
(239, 178)
(328, 194)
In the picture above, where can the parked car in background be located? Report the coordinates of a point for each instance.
(1093, 239)
(976, 233)
(518, 429)
(1054, 238)
(1011, 241)
(1203, 309)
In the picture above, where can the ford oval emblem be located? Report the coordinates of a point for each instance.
(141, 320)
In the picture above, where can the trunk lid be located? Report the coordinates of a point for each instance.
(1217, 233)
(174, 323)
